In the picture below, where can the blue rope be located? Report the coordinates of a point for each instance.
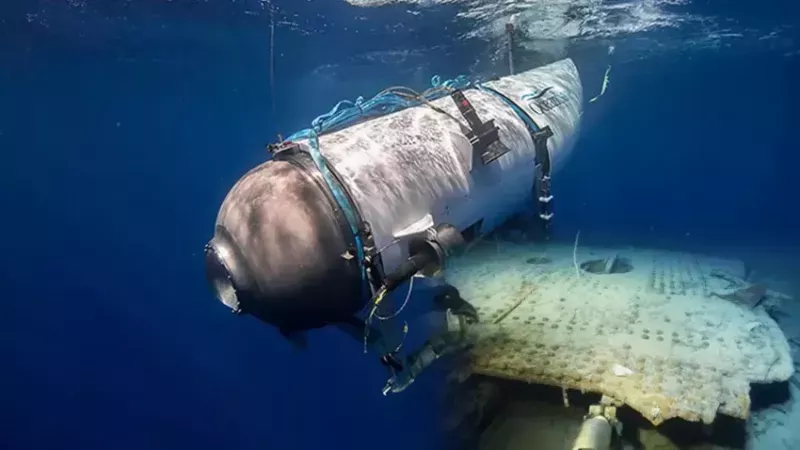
(459, 82)
(346, 113)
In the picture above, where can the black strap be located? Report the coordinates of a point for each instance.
(481, 134)
(541, 187)
(540, 146)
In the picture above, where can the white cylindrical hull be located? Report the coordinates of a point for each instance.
(403, 167)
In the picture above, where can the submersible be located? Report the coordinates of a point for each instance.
(339, 216)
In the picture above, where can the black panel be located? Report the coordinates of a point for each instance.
(472, 232)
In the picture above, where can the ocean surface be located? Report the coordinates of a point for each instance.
(124, 123)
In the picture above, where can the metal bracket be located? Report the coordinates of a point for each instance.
(480, 134)
(541, 187)
(372, 255)
(277, 147)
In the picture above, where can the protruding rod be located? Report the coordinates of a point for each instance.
(510, 33)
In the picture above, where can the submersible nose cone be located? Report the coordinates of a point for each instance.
(277, 249)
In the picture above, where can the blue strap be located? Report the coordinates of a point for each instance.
(338, 194)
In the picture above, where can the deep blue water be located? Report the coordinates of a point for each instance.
(122, 126)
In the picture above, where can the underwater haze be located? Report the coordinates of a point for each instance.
(124, 123)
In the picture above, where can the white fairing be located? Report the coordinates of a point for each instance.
(405, 166)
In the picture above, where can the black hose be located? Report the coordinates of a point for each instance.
(407, 269)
